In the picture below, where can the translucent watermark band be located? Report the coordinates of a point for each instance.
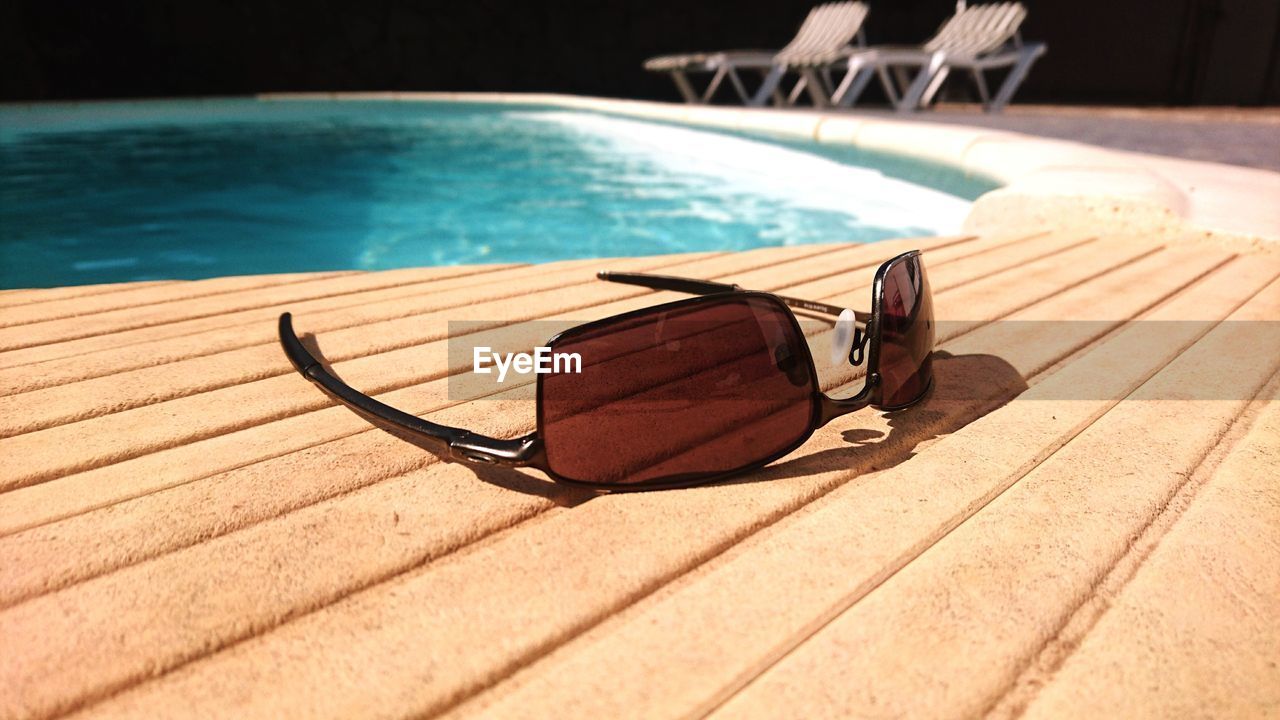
(1105, 357)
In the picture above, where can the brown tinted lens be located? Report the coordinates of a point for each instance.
(906, 333)
(680, 394)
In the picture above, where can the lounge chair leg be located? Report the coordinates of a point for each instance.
(768, 87)
(890, 88)
(859, 85)
(981, 82)
(900, 74)
(738, 87)
(794, 96)
(934, 86)
(913, 96)
(814, 84)
(682, 84)
(775, 96)
(842, 90)
(828, 84)
(852, 87)
(852, 84)
(928, 81)
(1017, 73)
(715, 84)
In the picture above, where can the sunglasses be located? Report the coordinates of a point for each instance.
(692, 391)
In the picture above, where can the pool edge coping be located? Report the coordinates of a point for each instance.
(1047, 183)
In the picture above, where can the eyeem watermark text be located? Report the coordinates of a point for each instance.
(541, 362)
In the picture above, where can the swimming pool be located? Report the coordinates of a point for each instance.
(106, 192)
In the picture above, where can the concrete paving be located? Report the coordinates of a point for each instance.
(1249, 138)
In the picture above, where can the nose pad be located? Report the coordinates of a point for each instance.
(786, 361)
(843, 337)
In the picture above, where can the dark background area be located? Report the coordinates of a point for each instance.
(1131, 52)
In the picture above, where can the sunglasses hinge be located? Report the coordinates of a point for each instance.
(473, 447)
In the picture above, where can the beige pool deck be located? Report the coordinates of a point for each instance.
(1083, 519)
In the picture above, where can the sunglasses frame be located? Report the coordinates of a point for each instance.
(530, 450)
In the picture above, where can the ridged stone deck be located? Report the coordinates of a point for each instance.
(190, 529)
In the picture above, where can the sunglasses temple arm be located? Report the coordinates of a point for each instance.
(862, 318)
(456, 443)
(707, 287)
(689, 286)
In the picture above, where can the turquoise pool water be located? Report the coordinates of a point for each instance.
(105, 192)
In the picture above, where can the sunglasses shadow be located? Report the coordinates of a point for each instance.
(506, 478)
(965, 387)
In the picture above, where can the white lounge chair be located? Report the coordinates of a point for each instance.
(825, 37)
(977, 38)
